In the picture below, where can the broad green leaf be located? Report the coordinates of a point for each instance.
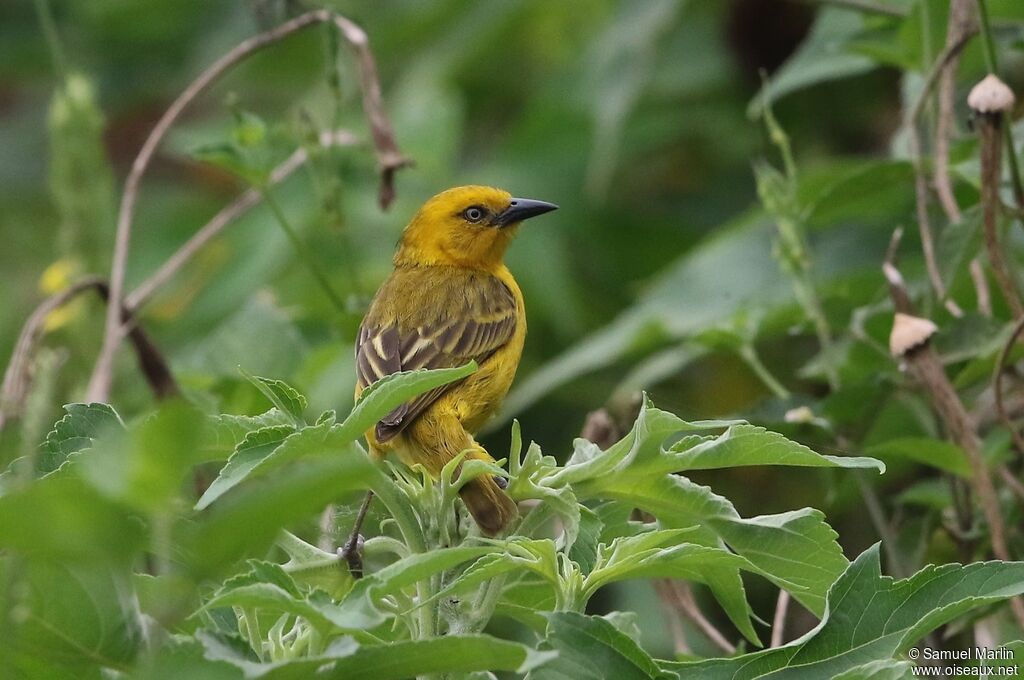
(591, 648)
(871, 617)
(73, 616)
(350, 616)
(345, 659)
(584, 550)
(742, 445)
(247, 520)
(229, 430)
(933, 452)
(380, 398)
(282, 395)
(661, 554)
(822, 56)
(252, 455)
(62, 516)
(146, 466)
(75, 432)
(879, 670)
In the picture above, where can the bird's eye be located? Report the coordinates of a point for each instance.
(474, 213)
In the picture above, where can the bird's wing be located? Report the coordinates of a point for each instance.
(450, 326)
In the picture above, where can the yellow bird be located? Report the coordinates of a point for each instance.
(449, 300)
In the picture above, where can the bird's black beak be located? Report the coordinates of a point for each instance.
(522, 209)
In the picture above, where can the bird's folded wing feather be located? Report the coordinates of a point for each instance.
(440, 326)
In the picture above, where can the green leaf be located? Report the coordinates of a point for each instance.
(256, 448)
(62, 516)
(879, 670)
(282, 395)
(821, 57)
(145, 466)
(324, 614)
(73, 616)
(933, 452)
(247, 520)
(229, 430)
(871, 617)
(346, 660)
(75, 432)
(584, 550)
(380, 398)
(591, 648)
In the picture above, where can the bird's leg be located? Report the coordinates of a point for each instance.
(350, 551)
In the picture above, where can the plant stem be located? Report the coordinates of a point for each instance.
(49, 27)
(303, 251)
(749, 355)
(991, 62)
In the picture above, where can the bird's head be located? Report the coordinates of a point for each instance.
(467, 226)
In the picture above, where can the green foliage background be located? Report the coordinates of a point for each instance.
(667, 269)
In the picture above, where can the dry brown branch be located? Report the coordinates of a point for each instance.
(959, 27)
(779, 622)
(681, 599)
(388, 156)
(997, 386)
(981, 288)
(990, 130)
(136, 299)
(1012, 482)
(17, 378)
(926, 366)
(920, 182)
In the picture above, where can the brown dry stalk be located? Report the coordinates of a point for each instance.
(927, 368)
(389, 159)
(997, 386)
(18, 380)
(779, 622)
(959, 29)
(912, 120)
(981, 288)
(990, 129)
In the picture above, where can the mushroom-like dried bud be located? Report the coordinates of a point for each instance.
(991, 95)
(909, 333)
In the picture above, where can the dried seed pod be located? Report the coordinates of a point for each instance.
(909, 333)
(991, 95)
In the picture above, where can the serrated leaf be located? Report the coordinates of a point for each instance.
(74, 616)
(871, 617)
(345, 659)
(591, 648)
(380, 398)
(282, 395)
(229, 430)
(76, 431)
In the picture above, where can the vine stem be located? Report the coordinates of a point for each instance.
(389, 159)
(303, 251)
(991, 62)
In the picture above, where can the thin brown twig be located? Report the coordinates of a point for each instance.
(388, 155)
(928, 369)
(779, 622)
(960, 25)
(920, 182)
(1011, 481)
(17, 378)
(997, 386)
(981, 290)
(990, 129)
(682, 599)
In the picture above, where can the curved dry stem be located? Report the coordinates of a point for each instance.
(389, 159)
(997, 386)
(959, 27)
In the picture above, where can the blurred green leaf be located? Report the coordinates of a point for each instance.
(76, 431)
(71, 617)
(872, 617)
(283, 396)
(590, 647)
(933, 452)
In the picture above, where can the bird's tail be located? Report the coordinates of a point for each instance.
(490, 506)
